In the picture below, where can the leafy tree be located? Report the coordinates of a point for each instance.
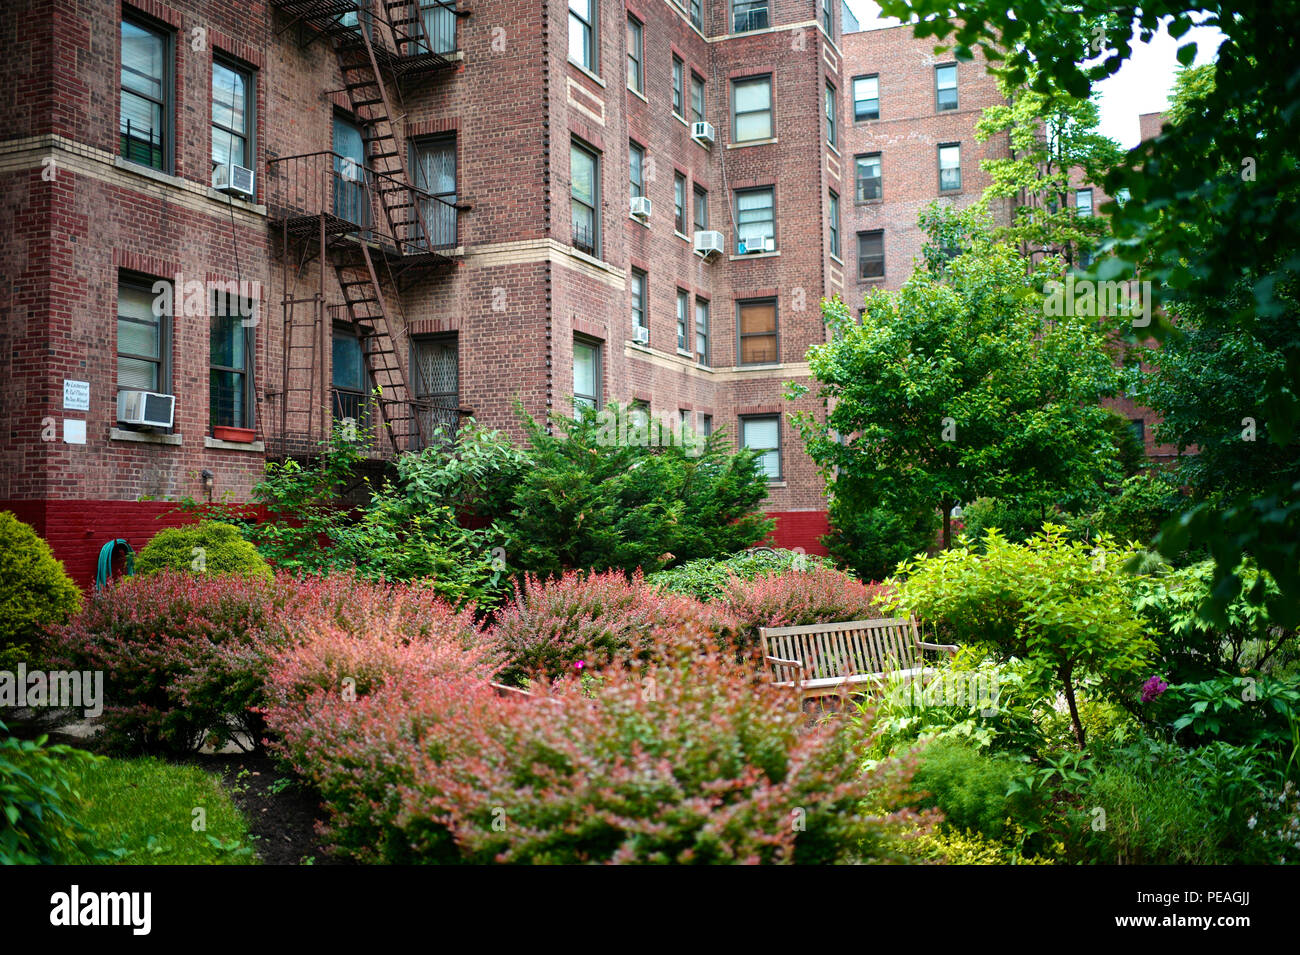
(1064, 607)
(1213, 204)
(590, 500)
(958, 386)
(35, 590)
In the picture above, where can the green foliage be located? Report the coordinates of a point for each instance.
(141, 812)
(588, 500)
(1063, 607)
(870, 542)
(1017, 521)
(1246, 711)
(958, 386)
(35, 590)
(1191, 647)
(975, 791)
(38, 793)
(706, 578)
(209, 547)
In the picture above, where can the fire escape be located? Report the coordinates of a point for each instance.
(366, 221)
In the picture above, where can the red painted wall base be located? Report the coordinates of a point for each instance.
(800, 529)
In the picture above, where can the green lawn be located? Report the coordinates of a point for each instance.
(142, 812)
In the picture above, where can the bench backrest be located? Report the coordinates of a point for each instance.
(844, 649)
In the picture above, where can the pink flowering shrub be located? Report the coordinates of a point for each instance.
(152, 637)
(688, 761)
(593, 619)
(796, 599)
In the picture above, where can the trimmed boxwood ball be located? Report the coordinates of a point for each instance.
(35, 590)
(209, 547)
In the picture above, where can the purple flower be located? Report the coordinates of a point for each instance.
(580, 664)
(1153, 688)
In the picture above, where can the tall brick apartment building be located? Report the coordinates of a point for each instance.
(445, 203)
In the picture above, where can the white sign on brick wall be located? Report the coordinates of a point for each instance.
(76, 395)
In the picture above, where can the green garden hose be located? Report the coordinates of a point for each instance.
(106, 561)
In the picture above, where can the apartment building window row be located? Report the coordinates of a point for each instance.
(679, 203)
(757, 324)
(637, 291)
(755, 217)
(831, 136)
(349, 378)
(871, 254)
(145, 113)
(835, 223)
(683, 320)
(584, 192)
(762, 433)
(636, 168)
(635, 55)
(142, 338)
(583, 35)
(751, 109)
(679, 78)
(586, 375)
(1083, 202)
(232, 113)
(949, 167)
(945, 87)
(701, 209)
(230, 353)
(749, 15)
(435, 368)
(867, 177)
(702, 331)
(697, 98)
(866, 97)
(697, 14)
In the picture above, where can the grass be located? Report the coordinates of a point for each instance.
(142, 812)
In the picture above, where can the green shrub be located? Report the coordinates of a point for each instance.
(1016, 520)
(35, 590)
(37, 798)
(971, 789)
(706, 579)
(208, 547)
(872, 542)
(1140, 505)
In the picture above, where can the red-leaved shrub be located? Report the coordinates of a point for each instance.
(797, 599)
(179, 653)
(594, 620)
(689, 761)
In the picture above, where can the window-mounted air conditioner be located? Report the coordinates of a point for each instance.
(145, 408)
(708, 243)
(234, 179)
(765, 244)
(641, 335)
(703, 133)
(640, 208)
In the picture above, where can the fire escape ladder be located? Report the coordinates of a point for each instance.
(373, 108)
(366, 309)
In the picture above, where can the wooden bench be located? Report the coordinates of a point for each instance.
(824, 659)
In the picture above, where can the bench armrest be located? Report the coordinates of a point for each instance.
(783, 662)
(948, 648)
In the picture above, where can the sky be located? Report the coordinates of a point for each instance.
(1142, 84)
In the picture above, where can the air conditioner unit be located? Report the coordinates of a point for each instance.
(703, 133)
(640, 208)
(145, 408)
(764, 244)
(769, 244)
(708, 243)
(228, 177)
(641, 335)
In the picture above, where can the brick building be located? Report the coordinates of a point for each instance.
(449, 204)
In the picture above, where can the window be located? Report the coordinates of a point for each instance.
(945, 86)
(435, 366)
(706, 424)
(828, 17)
(439, 27)
(679, 203)
(635, 55)
(871, 254)
(701, 331)
(867, 177)
(751, 107)
(866, 98)
(351, 194)
(701, 209)
(433, 163)
(679, 72)
(1083, 202)
(348, 376)
(757, 324)
(584, 192)
(586, 375)
(636, 169)
(1123, 196)
(1139, 430)
(232, 116)
(582, 33)
(230, 357)
(830, 114)
(683, 319)
(835, 224)
(763, 434)
(144, 117)
(749, 15)
(638, 416)
(697, 14)
(949, 167)
(637, 288)
(142, 344)
(754, 219)
(697, 98)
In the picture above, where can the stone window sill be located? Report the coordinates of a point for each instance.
(144, 437)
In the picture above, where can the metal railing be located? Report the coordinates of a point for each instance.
(330, 184)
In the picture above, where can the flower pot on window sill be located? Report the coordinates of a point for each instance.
(234, 435)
